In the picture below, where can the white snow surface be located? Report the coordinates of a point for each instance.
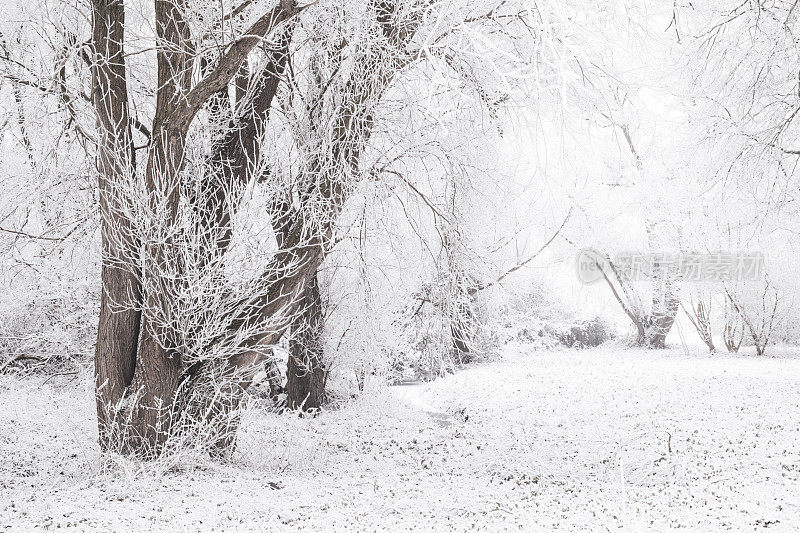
(606, 439)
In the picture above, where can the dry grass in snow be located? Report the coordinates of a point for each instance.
(601, 439)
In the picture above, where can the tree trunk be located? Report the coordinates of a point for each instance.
(661, 323)
(305, 372)
(141, 379)
(666, 302)
(158, 368)
(656, 333)
(700, 319)
(115, 350)
(462, 331)
(658, 336)
(118, 328)
(154, 390)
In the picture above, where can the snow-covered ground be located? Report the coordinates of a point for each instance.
(605, 439)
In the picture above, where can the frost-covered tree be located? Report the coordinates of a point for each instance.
(228, 139)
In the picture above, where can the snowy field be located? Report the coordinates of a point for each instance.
(619, 440)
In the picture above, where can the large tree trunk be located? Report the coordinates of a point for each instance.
(141, 379)
(657, 335)
(305, 371)
(118, 328)
(372, 75)
(154, 389)
(158, 368)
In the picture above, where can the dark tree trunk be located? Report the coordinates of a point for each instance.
(662, 324)
(655, 334)
(142, 383)
(305, 371)
(115, 350)
(142, 379)
(158, 368)
(118, 328)
(658, 338)
(462, 331)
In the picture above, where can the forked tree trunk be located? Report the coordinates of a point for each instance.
(652, 329)
(655, 328)
(760, 333)
(305, 371)
(700, 319)
(158, 367)
(661, 322)
(141, 382)
(657, 334)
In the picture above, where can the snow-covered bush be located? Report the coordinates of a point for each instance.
(50, 331)
(536, 319)
(586, 333)
(439, 330)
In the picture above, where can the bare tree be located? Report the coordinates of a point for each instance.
(653, 325)
(181, 336)
(699, 314)
(760, 318)
(653, 322)
(733, 329)
(219, 203)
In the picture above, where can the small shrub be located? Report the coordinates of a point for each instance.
(535, 319)
(50, 333)
(586, 334)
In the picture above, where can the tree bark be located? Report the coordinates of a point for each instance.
(141, 380)
(118, 328)
(660, 324)
(462, 327)
(305, 371)
(236, 153)
(158, 367)
(351, 130)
